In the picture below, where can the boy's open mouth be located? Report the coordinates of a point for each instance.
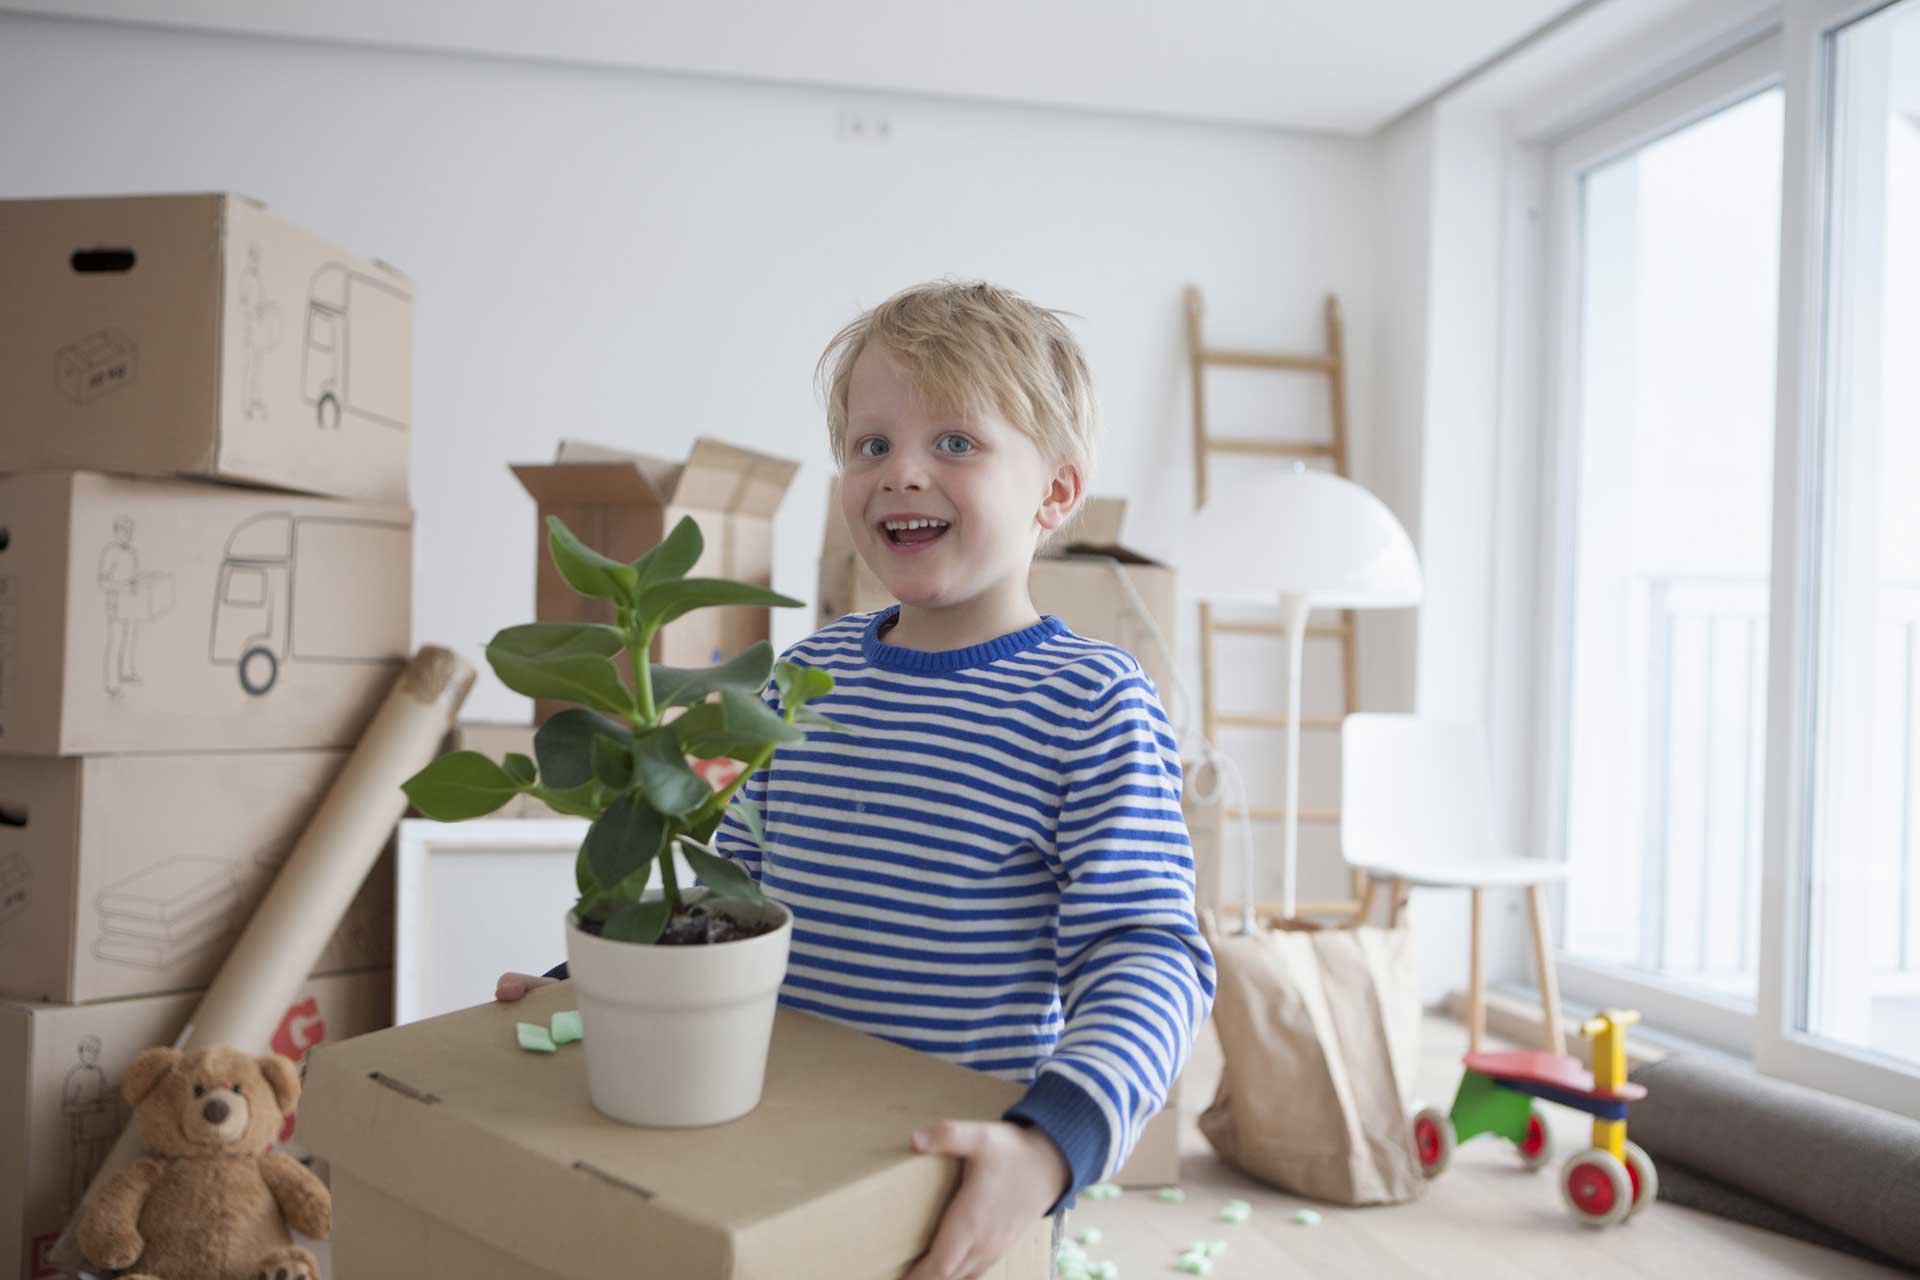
(915, 534)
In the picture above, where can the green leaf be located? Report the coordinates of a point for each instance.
(586, 570)
(661, 604)
(459, 786)
(673, 558)
(641, 922)
(583, 873)
(683, 686)
(565, 744)
(750, 817)
(622, 839)
(565, 660)
(612, 763)
(520, 768)
(575, 802)
(808, 716)
(738, 726)
(723, 878)
(800, 685)
(671, 785)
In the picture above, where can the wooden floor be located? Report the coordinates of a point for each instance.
(1484, 1217)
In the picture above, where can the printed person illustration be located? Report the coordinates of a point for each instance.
(120, 579)
(92, 1117)
(262, 320)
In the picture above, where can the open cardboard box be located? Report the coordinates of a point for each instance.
(136, 873)
(201, 335)
(454, 1152)
(622, 504)
(155, 615)
(60, 1104)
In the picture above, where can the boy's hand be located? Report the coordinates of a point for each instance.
(512, 986)
(1012, 1176)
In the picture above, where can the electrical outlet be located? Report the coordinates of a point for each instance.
(863, 126)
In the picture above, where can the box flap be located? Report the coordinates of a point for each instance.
(715, 477)
(451, 1116)
(1098, 524)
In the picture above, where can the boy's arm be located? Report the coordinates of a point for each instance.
(1136, 977)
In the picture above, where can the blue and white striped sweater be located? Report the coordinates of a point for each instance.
(993, 869)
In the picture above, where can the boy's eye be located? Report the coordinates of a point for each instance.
(871, 447)
(960, 444)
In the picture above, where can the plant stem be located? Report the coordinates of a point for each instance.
(639, 643)
(669, 881)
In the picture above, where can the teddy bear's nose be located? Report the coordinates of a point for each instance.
(215, 1111)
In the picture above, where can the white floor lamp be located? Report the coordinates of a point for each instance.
(1315, 541)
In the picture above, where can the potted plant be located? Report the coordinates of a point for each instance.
(677, 984)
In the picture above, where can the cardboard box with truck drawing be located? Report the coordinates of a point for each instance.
(201, 335)
(149, 615)
(136, 873)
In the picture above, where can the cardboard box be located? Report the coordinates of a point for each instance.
(623, 504)
(201, 335)
(154, 615)
(136, 873)
(448, 1142)
(60, 1105)
(1073, 581)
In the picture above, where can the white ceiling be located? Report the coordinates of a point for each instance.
(1342, 66)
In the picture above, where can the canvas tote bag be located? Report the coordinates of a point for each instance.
(1319, 1031)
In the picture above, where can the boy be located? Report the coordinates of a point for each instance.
(995, 870)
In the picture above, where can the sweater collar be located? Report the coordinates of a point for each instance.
(895, 657)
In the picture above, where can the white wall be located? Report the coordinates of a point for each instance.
(639, 258)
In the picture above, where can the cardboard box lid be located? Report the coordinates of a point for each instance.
(450, 1116)
(715, 477)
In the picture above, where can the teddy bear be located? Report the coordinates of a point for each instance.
(211, 1199)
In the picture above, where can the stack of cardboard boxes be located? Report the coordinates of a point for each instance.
(205, 575)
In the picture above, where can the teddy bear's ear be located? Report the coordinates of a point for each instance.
(146, 1072)
(283, 1076)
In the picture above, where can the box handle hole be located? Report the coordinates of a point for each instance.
(102, 261)
(12, 817)
(5, 537)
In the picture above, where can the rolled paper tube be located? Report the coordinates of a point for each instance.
(310, 895)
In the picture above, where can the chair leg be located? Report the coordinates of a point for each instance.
(1396, 904)
(1543, 962)
(1370, 889)
(1476, 980)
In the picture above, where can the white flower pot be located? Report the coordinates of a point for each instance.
(677, 1036)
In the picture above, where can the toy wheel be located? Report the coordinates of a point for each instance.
(259, 669)
(1644, 1177)
(1433, 1140)
(1536, 1149)
(329, 412)
(1596, 1187)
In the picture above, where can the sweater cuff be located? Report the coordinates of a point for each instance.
(558, 971)
(1067, 1114)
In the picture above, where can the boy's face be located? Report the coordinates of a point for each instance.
(982, 479)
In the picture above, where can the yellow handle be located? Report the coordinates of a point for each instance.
(1621, 1018)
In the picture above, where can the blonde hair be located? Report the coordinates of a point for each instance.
(973, 348)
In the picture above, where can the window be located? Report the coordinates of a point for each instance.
(246, 587)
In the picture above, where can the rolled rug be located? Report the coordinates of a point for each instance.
(315, 885)
(1841, 1165)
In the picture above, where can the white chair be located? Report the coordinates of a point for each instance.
(1416, 808)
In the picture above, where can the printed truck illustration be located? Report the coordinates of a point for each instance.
(355, 324)
(285, 594)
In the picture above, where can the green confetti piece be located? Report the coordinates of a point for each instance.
(534, 1037)
(1216, 1247)
(566, 1026)
(1172, 1195)
(1090, 1236)
(1104, 1270)
(1102, 1191)
(1236, 1211)
(1195, 1266)
(1306, 1217)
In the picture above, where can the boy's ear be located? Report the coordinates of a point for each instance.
(1061, 499)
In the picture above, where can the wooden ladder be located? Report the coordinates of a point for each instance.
(1332, 364)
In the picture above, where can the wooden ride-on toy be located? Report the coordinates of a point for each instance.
(1602, 1184)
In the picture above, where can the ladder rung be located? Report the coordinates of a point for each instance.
(1276, 722)
(1332, 629)
(1266, 360)
(1277, 813)
(1274, 448)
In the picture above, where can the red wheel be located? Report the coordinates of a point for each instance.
(1433, 1140)
(1596, 1187)
(1536, 1149)
(1644, 1177)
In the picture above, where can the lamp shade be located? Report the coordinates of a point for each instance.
(1297, 532)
